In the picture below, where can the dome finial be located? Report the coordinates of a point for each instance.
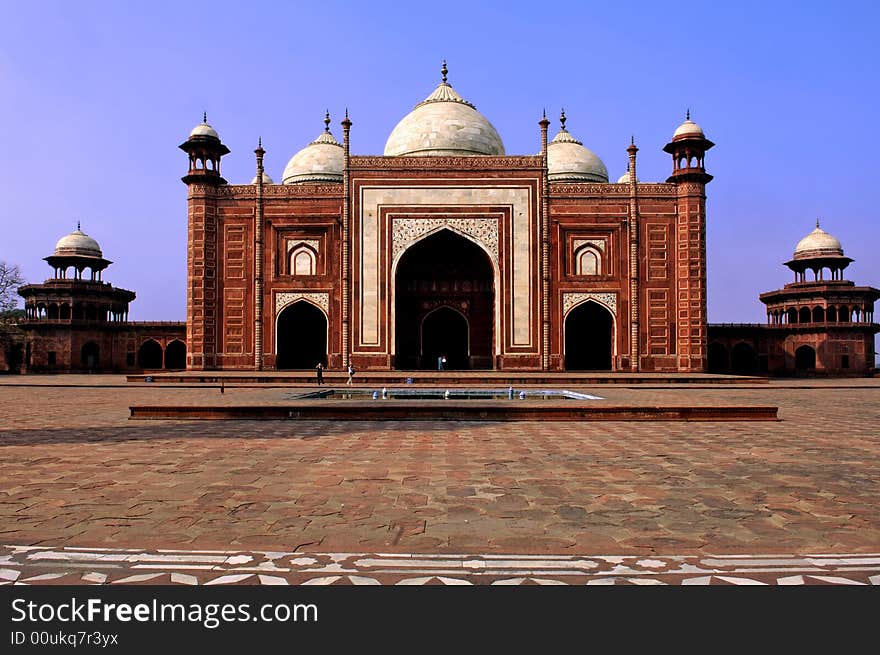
(444, 71)
(632, 139)
(79, 230)
(562, 120)
(817, 222)
(205, 117)
(687, 115)
(260, 142)
(327, 121)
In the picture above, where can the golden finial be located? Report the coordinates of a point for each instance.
(444, 71)
(562, 120)
(327, 121)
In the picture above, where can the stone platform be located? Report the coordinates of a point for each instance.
(709, 502)
(441, 378)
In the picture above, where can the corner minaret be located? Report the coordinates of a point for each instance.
(688, 149)
(203, 179)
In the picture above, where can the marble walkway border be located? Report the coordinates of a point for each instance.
(35, 565)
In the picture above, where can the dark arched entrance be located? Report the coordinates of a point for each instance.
(445, 334)
(150, 355)
(89, 356)
(444, 303)
(719, 360)
(175, 355)
(805, 358)
(302, 337)
(743, 360)
(589, 329)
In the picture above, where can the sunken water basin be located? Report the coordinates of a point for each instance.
(457, 404)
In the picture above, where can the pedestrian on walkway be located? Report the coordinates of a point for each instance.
(319, 373)
(350, 374)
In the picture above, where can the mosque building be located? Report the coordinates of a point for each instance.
(447, 246)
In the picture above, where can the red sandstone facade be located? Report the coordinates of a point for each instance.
(574, 275)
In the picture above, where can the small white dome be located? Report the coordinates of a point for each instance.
(444, 123)
(77, 243)
(688, 129)
(818, 243)
(624, 179)
(569, 161)
(266, 179)
(203, 129)
(321, 161)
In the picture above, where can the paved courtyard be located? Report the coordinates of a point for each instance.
(77, 474)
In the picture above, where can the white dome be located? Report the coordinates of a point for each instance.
(321, 161)
(818, 243)
(203, 129)
(569, 161)
(444, 123)
(77, 243)
(266, 179)
(624, 179)
(688, 129)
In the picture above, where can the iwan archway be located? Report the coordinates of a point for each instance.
(301, 336)
(444, 304)
(589, 338)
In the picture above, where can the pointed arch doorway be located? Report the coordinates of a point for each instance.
(444, 304)
(589, 338)
(301, 337)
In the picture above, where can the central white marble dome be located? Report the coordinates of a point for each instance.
(444, 123)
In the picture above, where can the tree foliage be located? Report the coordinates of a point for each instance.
(10, 280)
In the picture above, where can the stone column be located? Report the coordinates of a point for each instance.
(258, 261)
(545, 249)
(634, 287)
(346, 240)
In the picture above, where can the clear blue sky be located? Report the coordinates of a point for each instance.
(96, 96)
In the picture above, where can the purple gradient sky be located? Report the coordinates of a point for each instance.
(97, 96)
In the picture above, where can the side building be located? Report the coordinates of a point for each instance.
(819, 326)
(76, 322)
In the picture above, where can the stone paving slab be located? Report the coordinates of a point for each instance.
(77, 472)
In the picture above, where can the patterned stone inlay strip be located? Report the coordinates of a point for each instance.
(285, 298)
(29, 564)
(569, 300)
(405, 231)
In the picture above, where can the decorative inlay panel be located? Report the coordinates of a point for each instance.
(599, 243)
(314, 244)
(404, 231)
(607, 299)
(285, 298)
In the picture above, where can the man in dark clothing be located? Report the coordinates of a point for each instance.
(319, 370)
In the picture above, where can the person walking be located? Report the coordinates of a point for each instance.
(319, 373)
(350, 374)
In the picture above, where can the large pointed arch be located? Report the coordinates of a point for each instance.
(444, 267)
